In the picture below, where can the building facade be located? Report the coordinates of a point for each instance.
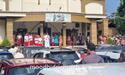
(64, 16)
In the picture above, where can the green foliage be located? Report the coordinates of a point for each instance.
(110, 41)
(6, 42)
(120, 17)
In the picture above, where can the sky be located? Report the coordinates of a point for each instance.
(111, 6)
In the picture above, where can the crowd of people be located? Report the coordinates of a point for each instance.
(89, 56)
(56, 39)
(114, 39)
(36, 40)
(76, 39)
(47, 40)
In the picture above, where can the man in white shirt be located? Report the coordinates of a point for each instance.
(18, 54)
(13, 49)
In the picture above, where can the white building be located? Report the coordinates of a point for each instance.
(36, 15)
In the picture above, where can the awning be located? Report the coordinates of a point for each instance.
(10, 14)
(95, 16)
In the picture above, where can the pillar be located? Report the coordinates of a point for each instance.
(64, 35)
(84, 29)
(9, 30)
(41, 30)
(105, 27)
(7, 3)
(93, 32)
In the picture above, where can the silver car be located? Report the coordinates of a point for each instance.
(88, 69)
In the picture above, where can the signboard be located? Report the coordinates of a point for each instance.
(57, 17)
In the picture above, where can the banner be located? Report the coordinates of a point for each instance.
(57, 17)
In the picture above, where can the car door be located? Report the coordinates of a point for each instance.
(114, 52)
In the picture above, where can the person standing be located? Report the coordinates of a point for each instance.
(69, 40)
(47, 40)
(19, 39)
(92, 57)
(40, 41)
(122, 56)
(74, 40)
(122, 41)
(52, 40)
(80, 39)
(56, 40)
(36, 40)
(30, 40)
(26, 40)
(60, 41)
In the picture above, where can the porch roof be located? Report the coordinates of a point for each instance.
(12, 14)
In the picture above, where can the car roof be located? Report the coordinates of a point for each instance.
(28, 61)
(5, 52)
(112, 47)
(87, 69)
(56, 50)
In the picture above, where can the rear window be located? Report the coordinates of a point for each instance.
(63, 55)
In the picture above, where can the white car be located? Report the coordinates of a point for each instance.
(111, 51)
(64, 56)
(88, 69)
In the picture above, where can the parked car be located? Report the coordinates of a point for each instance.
(6, 55)
(112, 51)
(30, 51)
(80, 51)
(88, 69)
(25, 66)
(64, 56)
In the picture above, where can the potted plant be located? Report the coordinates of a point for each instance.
(6, 42)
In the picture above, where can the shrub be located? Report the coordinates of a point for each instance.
(110, 41)
(6, 42)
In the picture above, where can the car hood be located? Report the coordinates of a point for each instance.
(89, 69)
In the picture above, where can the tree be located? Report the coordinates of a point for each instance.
(120, 17)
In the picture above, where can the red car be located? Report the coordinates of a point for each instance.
(25, 66)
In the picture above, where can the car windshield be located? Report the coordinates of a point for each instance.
(26, 70)
(65, 58)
